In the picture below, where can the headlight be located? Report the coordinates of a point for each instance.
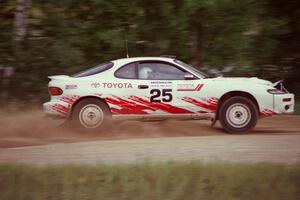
(275, 91)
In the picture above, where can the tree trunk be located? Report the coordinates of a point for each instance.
(196, 40)
(21, 18)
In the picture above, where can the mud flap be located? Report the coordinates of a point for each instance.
(213, 122)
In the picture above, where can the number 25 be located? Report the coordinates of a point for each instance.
(165, 93)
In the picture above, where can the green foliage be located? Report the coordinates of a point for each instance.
(151, 181)
(297, 108)
(257, 37)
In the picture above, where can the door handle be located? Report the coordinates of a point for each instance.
(143, 86)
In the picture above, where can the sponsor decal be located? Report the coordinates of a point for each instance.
(159, 84)
(71, 87)
(117, 85)
(95, 85)
(111, 85)
(189, 87)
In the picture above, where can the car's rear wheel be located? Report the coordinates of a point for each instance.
(91, 114)
(238, 115)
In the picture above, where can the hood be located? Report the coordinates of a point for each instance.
(254, 80)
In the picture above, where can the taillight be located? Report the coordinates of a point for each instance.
(54, 91)
(287, 99)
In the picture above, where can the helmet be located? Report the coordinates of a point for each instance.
(144, 73)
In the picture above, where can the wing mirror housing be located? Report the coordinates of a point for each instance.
(188, 76)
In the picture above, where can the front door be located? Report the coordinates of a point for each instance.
(157, 88)
(163, 79)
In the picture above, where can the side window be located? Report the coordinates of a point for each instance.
(128, 71)
(94, 70)
(159, 71)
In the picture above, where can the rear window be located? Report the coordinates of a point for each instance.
(128, 71)
(95, 70)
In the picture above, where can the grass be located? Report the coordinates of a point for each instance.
(297, 108)
(159, 181)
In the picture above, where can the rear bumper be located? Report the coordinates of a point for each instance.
(284, 103)
(57, 109)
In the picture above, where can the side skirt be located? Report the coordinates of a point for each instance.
(205, 116)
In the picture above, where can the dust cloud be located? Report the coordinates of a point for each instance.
(32, 127)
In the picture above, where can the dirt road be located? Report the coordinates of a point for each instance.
(244, 148)
(275, 139)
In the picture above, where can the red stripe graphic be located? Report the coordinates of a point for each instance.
(160, 106)
(127, 107)
(137, 105)
(98, 94)
(207, 103)
(202, 112)
(198, 88)
(61, 109)
(70, 99)
(267, 112)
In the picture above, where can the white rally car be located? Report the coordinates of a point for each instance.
(158, 88)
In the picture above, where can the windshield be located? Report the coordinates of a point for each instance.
(196, 71)
(95, 70)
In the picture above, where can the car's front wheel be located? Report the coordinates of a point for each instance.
(238, 115)
(90, 114)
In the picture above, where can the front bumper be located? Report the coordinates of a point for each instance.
(284, 103)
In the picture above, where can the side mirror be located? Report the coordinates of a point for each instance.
(188, 76)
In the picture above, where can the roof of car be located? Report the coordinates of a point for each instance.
(133, 59)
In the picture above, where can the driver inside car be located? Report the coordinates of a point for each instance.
(145, 73)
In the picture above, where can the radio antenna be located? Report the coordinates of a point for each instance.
(127, 54)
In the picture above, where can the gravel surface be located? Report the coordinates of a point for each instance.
(275, 139)
(244, 148)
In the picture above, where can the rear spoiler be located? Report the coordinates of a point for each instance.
(59, 77)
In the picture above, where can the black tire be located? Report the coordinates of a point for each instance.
(86, 115)
(238, 115)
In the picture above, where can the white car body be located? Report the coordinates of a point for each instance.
(196, 98)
